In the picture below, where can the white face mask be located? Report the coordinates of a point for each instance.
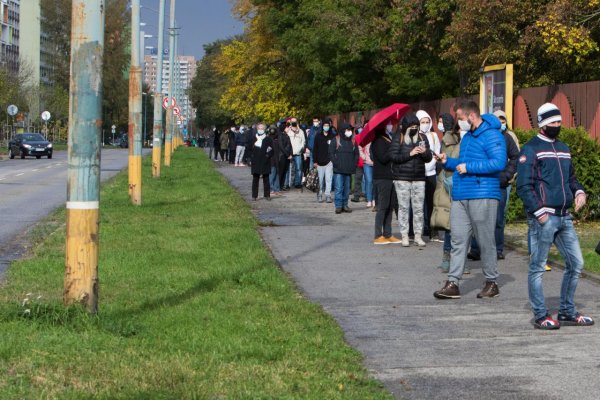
(388, 128)
(441, 127)
(464, 125)
(315, 124)
(425, 128)
(348, 134)
(261, 132)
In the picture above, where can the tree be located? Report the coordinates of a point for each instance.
(207, 87)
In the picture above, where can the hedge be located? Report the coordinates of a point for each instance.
(585, 153)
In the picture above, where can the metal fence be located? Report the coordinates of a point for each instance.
(52, 133)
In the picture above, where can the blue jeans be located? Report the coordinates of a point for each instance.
(500, 223)
(298, 171)
(274, 180)
(368, 178)
(447, 242)
(342, 189)
(560, 231)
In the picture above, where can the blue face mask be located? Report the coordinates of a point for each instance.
(326, 128)
(503, 127)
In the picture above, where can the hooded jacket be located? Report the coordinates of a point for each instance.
(343, 152)
(434, 143)
(321, 148)
(484, 153)
(404, 166)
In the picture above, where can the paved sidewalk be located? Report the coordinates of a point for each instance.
(420, 347)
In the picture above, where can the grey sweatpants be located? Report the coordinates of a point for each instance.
(239, 154)
(473, 217)
(325, 177)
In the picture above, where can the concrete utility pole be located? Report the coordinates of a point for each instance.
(157, 129)
(170, 116)
(83, 176)
(135, 109)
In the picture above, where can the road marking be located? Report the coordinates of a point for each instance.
(35, 170)
(22, 173)
(1, 179)
(49, 166)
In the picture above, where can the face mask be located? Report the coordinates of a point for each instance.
(425, 128)
(552, 131)
(503, 127)
(464, 125)
(359, 130)
(412, 131)
(261, 132)
(348, 134)
(326, 129)
(294, 124)
(388, 128)
(316, 124)
(441, 127)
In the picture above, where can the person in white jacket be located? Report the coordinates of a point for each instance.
(298, 140)
(425, 128)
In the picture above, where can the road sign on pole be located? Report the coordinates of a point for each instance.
(12, 110)
(165, 102)
(46, 115)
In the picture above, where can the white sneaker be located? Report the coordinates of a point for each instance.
(369, 204)
(405, 242)
(419, 241)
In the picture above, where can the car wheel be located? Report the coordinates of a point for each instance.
(22, 155)
(11, 154)
(38, 157)
(49, 156)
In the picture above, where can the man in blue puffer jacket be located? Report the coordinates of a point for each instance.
(475, 196)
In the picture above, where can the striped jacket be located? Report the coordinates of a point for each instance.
(546, 179)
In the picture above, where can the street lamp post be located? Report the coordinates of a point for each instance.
(157, 130)
(170, 116)
(135, 111)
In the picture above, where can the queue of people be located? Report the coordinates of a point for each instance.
(459, 184)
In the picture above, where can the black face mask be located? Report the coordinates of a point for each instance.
(552, 131)
(294, 124)
(412, 131)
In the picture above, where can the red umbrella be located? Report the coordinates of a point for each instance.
(392, 114)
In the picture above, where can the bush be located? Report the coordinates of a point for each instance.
(585, 153)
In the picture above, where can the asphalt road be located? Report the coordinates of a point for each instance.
(30, 189)
(418, 346)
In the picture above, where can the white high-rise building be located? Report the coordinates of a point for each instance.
(184, 72)
(9, 35)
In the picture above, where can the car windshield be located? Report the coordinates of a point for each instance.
(33, 137)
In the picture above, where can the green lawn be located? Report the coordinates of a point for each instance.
(192, 306)
(588, 233)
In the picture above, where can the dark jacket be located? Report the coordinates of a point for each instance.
(217, 139)
(285, 145)
(380, 147)
(343, 152)
(321, 148)
(484, 153)
(404, 166)
(313, 132)
(240, 138)
(261, 156)
(546, 179)
(512, 152)
(232, 142)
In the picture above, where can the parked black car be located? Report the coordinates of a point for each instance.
(29, 144)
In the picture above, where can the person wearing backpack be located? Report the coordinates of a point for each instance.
(322, 162)
(343, 152)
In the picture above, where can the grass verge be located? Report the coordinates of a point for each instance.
(588, 239)
(192, 306)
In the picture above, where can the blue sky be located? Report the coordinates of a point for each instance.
(201, 22)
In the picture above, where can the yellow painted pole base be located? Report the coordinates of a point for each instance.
(135, 180)
(168, 152)
(156, 150)
(81, 263)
